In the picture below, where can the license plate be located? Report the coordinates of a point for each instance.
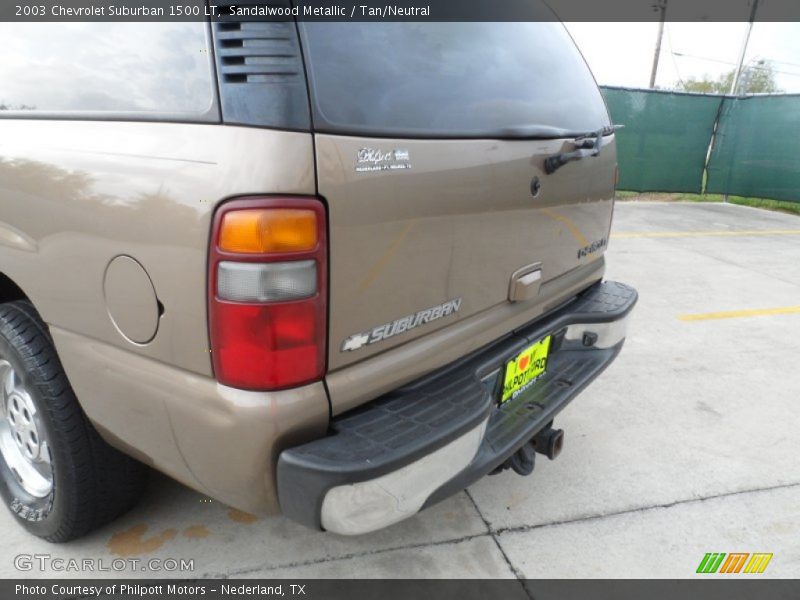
(525, 368)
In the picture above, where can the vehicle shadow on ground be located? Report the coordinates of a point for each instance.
(175, 522)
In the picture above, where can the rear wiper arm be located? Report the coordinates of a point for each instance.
(587, 144)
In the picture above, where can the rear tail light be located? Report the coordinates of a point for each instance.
(267, 292)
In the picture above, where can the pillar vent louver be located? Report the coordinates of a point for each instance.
(260, 70)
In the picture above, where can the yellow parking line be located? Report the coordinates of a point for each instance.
(736, 314)
(719, 233)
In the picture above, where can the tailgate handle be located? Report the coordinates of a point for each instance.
(525, 283)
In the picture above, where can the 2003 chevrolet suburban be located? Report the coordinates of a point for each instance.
(338, 270)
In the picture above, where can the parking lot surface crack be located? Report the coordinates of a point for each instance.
(342, 557)
(643, 509)
(491, 533)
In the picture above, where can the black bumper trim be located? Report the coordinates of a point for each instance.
(415, 420)
(514, 424)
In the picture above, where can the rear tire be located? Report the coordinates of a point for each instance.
(58, 477)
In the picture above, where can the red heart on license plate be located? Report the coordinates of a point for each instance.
(523, 362)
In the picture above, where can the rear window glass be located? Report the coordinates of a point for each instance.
(448, 79)
(106, 67)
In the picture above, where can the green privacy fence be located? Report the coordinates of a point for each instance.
(664, 146)
(757, 148)
(664, 143)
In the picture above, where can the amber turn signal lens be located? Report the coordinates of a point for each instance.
(266, 230)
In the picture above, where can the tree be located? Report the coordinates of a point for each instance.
(758, 78)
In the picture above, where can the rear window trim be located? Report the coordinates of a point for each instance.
(210, 116)
(434, 135)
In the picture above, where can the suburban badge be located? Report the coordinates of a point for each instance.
(402, 325)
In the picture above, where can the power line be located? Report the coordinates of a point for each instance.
(672, 55)
(783, 62)
(725, 62)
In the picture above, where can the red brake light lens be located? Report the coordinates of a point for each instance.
(267, 347)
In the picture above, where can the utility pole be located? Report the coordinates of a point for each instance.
(738, 73)
(660, 5)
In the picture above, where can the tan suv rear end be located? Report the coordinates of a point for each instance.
(342, 280)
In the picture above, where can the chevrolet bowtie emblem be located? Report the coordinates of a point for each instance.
(354, 342)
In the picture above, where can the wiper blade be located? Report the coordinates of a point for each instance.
(548, 132)
(537, 132)
(586, 144)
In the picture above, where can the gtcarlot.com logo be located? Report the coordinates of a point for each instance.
(735, 562)
(47, 562)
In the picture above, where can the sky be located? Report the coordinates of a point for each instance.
(622, 53)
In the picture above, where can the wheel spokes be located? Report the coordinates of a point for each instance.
(7, 378)
(22, 437)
